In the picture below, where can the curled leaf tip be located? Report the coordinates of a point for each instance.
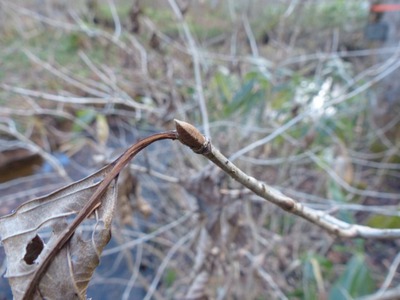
(191, 137)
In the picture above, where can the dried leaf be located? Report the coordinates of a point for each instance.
(126, 183)
(197, 290)
(53, 243)
(29, 234)
(102, 130)
(144, 207)
(343, 165)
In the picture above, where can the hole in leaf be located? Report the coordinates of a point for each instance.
(33, 250)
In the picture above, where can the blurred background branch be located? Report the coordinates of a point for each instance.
(302, 95)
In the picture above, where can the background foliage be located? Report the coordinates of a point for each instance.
(291, 94)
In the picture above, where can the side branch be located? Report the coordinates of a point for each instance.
(320, 218)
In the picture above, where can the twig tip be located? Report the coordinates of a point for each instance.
(190, 136)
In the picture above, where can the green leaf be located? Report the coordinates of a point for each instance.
(86, 116)
(315, 268)
(355, 281)
(246, 98)
(336, 193)
(223, 86)
(382, 221)
(240, 98)
(170, 277)
(310, 290)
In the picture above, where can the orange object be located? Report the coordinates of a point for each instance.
(385, 7)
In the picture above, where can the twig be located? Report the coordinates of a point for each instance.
(108, 83)
(149, 236)
(74, 82)
(250, 36)
(142, 52)
(392, 294)
(192, 138)
(265, 276)
(151, 172)
(307, 113)
(196, 66)
(117, 22)
(75, 100)
(347, 186)
(390, 276)
(132, 280)
(165, 262)
(28, 144)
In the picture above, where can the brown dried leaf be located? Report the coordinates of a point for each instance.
(126, 183)
(102, 130)
(198, 289)
(343, 165)
(53, 243)
(31, 231)
(144, 207)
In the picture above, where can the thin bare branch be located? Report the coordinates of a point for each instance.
(320, 218)
(196, 65)
(166, 261)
